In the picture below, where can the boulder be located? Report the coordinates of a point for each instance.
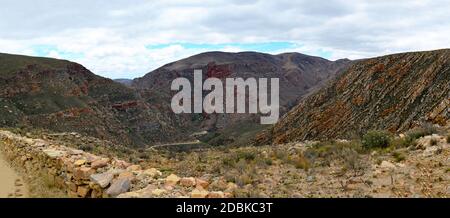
(126, 175)
(53, 153)
(172, 179)
(83, 173)
(79, 162)
(188, 181)
(100, 163)
(430, 151)
(217, 194)
(118, 187)
(152, 172)
(202, 183)
(102, 179)
(429, 140)
(199, 193)
(83, 191)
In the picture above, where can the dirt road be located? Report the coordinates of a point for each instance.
(11, 185)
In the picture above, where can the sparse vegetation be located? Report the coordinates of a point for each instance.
(376, 139)
(424, 130)
(402, 142)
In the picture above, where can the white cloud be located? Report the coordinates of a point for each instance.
(110, 37)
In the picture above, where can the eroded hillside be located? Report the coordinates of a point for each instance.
(394, 92)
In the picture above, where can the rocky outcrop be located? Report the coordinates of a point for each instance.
(394, 92)
(85, 175)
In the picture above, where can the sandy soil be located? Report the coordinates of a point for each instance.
(11, 185)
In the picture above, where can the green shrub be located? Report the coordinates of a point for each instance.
(376, 139)
(398, 156)
(246, 155)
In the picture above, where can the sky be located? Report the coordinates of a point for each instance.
(127, 39)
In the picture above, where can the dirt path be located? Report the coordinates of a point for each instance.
(11, 185)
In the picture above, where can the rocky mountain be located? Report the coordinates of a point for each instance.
(393, 92)
(63, 96)
(299, 74)
(60, 96)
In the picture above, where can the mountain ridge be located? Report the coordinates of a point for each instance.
(392, 92)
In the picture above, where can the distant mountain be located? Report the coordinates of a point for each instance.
(64, 96)
(393, 92)
(299, 74)
(126, 82)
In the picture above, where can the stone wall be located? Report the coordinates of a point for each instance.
(81, 174)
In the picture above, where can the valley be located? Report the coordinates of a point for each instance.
(376, 127)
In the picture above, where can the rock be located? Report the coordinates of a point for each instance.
(126, 175)
(197, 193)
(263, 195)
(102, 179)
(217, 194)
(121, 164)
(152, 172)
(158, 192)
(134, 168)
(310, 178)
(297, 195)
(83, 191)
(103, 162)
(427, 141)
(83, 173)
(118, 187)
(172, 179)
(228, 194)
(129, 195)
(116, 172)
(187, 181)
(75, 152)
(79, 162)
(231, 187)
(72, 186)
(430, 151)
(202, 183)
(168, 187)
(387, 165)
(53, 153)
(96, 193)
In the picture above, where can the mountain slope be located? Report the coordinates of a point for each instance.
(64, 96)
(299, 74)
(392, 92)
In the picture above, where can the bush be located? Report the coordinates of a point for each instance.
(300, 162)
(398, 156)
(422, 131)
(376, 139)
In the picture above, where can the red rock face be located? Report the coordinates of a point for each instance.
(126, 105)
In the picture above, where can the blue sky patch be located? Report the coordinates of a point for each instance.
(259, 47)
